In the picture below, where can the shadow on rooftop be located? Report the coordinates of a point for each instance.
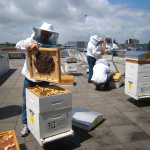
(23, 146)
(76, 74)
(140, 103)
(80, 135)
(69, 142)
(5, 76)
(10, 111)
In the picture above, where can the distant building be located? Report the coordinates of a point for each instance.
(142, 47)
(75, 44)
(13, 53)
(2, 45)
(132, 41)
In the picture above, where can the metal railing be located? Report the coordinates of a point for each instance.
(80, 54)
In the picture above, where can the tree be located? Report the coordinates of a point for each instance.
(148, 46)
(114, 41)
(59, 45)
(7, 44)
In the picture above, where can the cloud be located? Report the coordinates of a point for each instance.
(74, 20)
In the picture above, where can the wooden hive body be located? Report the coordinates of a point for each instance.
(53, 76)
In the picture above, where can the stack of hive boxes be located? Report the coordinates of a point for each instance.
(49, 111)
(137, 74)
(49, 108)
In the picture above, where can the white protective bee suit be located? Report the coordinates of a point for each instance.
(23, 45)
(101, 71)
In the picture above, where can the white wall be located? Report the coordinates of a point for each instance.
(4, 63)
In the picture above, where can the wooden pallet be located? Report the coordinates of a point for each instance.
(54, 76)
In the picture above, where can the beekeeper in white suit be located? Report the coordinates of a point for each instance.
(46, 37)
(110, 46)
(93, 53)
(102, 75)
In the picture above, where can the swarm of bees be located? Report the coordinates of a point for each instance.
(44, 63)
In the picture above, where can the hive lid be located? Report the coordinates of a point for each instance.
(70, 59)
(138, 55)
(84, 116)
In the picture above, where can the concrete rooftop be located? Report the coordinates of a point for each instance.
(126, 124)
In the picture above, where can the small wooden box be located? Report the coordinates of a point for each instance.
(11, 136)
(53, 76)
(66, 80)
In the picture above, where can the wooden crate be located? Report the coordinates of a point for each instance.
(54, 76)
(11, 136)
(66, 80)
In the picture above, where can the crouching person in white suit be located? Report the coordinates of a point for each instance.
(102, 75)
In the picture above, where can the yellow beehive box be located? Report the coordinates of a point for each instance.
(44, 64)
(117, 77)
(66, 80)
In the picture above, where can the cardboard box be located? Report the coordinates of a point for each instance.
(50, 76)
(66, 80)
(9, 138)
(48, 103)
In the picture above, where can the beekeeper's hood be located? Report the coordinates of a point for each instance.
(46, 27)
(103, 61)
(109, 37)
(95, 39)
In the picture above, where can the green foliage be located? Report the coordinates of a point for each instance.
(148, 46)
(114, 41)
(59, 45)
(7, 44)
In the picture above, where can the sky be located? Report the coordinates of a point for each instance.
(76, 20)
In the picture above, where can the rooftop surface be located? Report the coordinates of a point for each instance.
(126, 124)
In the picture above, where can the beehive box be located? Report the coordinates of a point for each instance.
(47, 124)
(7, 139)
(137, 89)
(66, 80)
(44, 64)
(48, 98)
(138, 66)
(117, 77)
